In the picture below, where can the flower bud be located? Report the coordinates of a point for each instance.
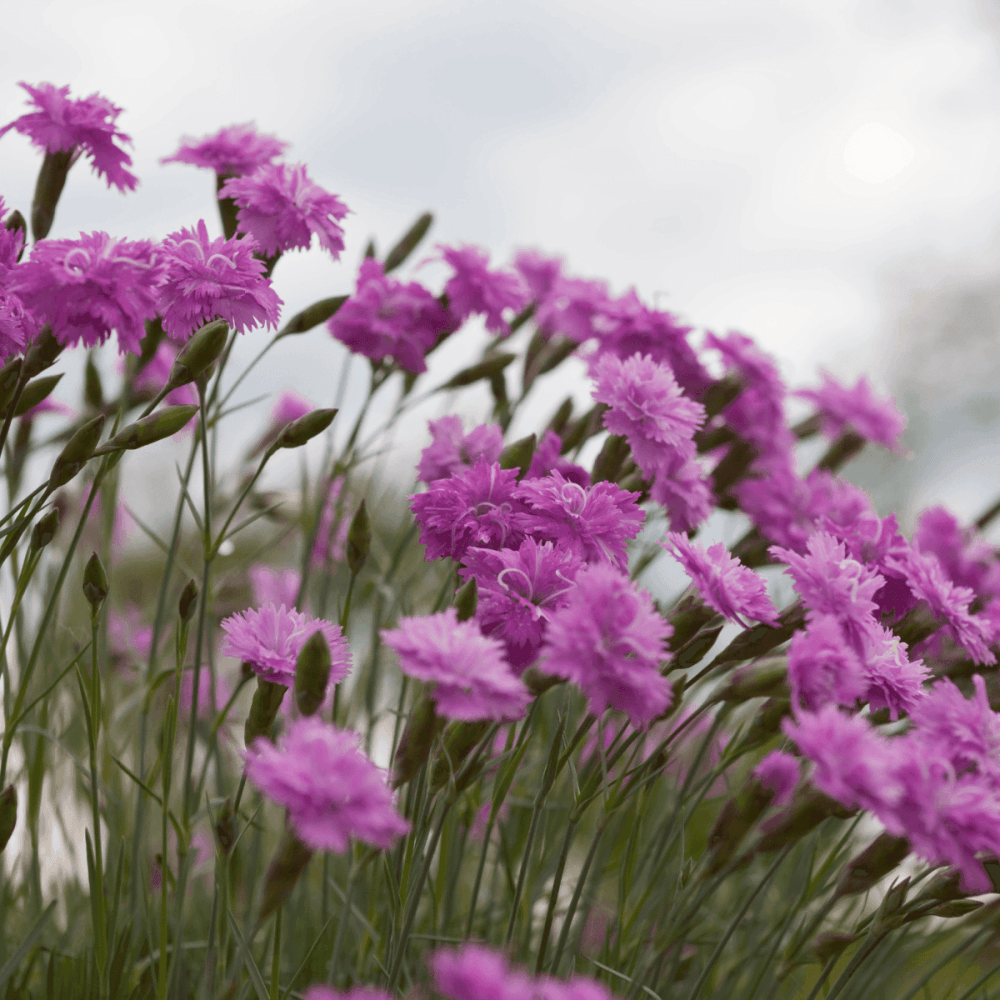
(761, 639)
(841, 451)
(720, 394)
(9, 375)
(584, 427)
(48, 188)
(188, 601)
(830, 945)
(879, 858)
(755, 680)
(561, 417)
(286, 868)
(8, 814)
(201, 351)
(402, 250)
(694, 650)
(263, 710)
(416, 741)
(486, 368)
(298, 432)
(41, 353)
(93, 391)
(765, 723)
(14, 222)
(461, 739)
(687, 618)
(801, 816)
(225, 826)
(735, 821)
(956, 908)
(312, 673)
(161, 424)
(519, 454)
(228, 210)
(95, 582)
(609, 463)
(467, 599)
(318, 312)
(359, 540)
(34, 392)
(45, 530)
(77, 452)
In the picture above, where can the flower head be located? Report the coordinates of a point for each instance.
(538, 272)
(892, 679)
(274, 586)
(966, 557)
(681, 487)
(86, 289)
(823, 667)
(475, 972)
(15, 325)
(474, 288)
(471, 680)
(725, 584)
(859, 408)
(573, 308)
(281, 208)
(214, 279)
(452, 450)
(332, 791)
(318, 991)
(232, 151)
(83, 125)
(608, 639)
(548, 459)
(779, 772)
(386, 318)
(270, 638)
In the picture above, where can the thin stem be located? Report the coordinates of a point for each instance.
(93, 732)
(276, 957)
(554, 896)
(331, 969)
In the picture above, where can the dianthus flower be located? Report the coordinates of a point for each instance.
(823, 667)
(967, 559)
(214, 279)
(281, 208)
(475, 972)
(573, 308)
(518, 591)
(287, 407)
(83, 125)
(538, 272)
(331, 790)
(319, 991)
(548, 459)
(892, 679)
(609, 640)
(779, 772)
(153, 376)
(859, 409)
(683, 490)
(451, 450)
(269, 638)
(470, 679)
(14, 326)
(473, 288)
(85, 289)
(274, 586)
(596, 522)
(232, 151)
(11, 242)
(725, 584)
(386, 318)
(474, 507)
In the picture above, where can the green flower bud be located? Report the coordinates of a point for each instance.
(161, 424)
(8, 814)
(9, 375)
(687, 618)
(286, 868)
(263, 710)
(467, 599)
(584, 427)
(486, 368)
(359, 540)
(402, 250)
(830, 945)
(801, 816)
(879, 858)
(16, 221)
(95, 582)
(318, 312)
(48, 188)
(561, 417)
(519, 454)
(42, 353)
(755, 680)
(461, 739)
(735, 821)
(78, 451)
(415, 743)
(766, 723)
(538, 683)
(93, 391)
(609, 463)
(45, 530)
(199, 353)
(312, 673)
(34, 392)
(956, 908)
(227, 207)
(298, 432)
(761, 639)
(225, 827)
(188, 601)
(694, 650)
(841, 451)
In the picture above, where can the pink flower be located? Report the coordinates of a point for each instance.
(83, 125)
(86, 288)
(234, 150)
(682, 488)
(609, 640)
(331, 790)
(281, 207)
(470, 678)
(475, 972)
(965, 556)
(287, 407)
(573, 308)
(538, 272)
(548, 459)
(15, 325)
(270, 638)
(779, 772)
(473, 288)
(725, 584)
(320, 992)
(859, 408)
(892, 679)
(451, 450)
(214, 279)
(386, 318)
(823, 667)
(274, 586)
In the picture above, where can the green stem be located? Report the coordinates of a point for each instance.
(550, 911)
(276, 957)
(93, 732)
(331, 969)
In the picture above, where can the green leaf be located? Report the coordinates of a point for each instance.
(255, 977)
(13, 963)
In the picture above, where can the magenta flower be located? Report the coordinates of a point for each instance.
(469, 678)
(892, 679)
(14, 326)
(331, 534)
(281, 208)
(573, 308)
(475, 507)
(965, 556)
(725, 584)
(287, 407)
(386, 318)
(779, 772)
(85, 125)
(475, 972)
(274, 586)
(270, 638)
(548, 459)
(823, 667)
(859, 408)
(86, 289)
(214, 279)
(232, 151)
(331, 790)
(538, 272)
(451, 450)
(683, 490)
(207, 705)
(595, 522)
(318, 991)
(518, 591)
(473, 288)
(609, 640)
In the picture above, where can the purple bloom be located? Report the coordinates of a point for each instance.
(14, 325)
(518, 591)
(823, 667)
(725, 584)
(318, 991)
(83, 125)
(270, 638)
(86, 288)
(859, 408)
(386, 318)
(682, 489)
(474, 507)
(287, 407)
(548, 459)
(274, 586)
(451, 450)
(214, 279)
(609, 640)
(470, 678)
(281, 207)
(332, 791)
(893, 680)
(538, 272)
(232, 151)
(779, 772)
(965, 556)
(473, 288)
(574, 308)
(595, 522)
(475, 972)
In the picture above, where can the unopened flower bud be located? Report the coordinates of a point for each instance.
(519, 454)
(402, 250)
(95, 582)
(486, 368)
(694, 650)
(841, 451)
(720, 394)
(561, 417)
(359, 540)
(830, 945)
(201, 351)
(9, 375)
(45, 530)
(93, 391)
(15, 221)
(34, 392)
(263, 710)
(609, 463)
(318, 312)
(312, 673)
(956, 908)
(461, 739)
(41, 353)
(416, 741)
(48, 188)
(157, 426)
(225, 826)
(77, 452)
(765, 723)
(584, 427)
(687, 618)
(756, 680)
(467, 599)
(801, 816)
(188, 601)
(8, 814)
(761, 639)
(735, 821)
(286, 868)
(879, 858)
(298, 432)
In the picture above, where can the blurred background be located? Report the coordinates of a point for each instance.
(821, 175)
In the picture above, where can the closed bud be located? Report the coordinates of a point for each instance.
(538, 683)
(16, 221)
(461, 739)
(77, 452)
(841, 451)
(761, 639)
(359, 540)
(687, 619)
(585, 426)
(42, 353)
(801, 816)
(298, 432)
(561, 417)
(486, 368)
(879, 858)
(318, 312)
(756, 680)
(720, 394)
(766, 723)
(694, 650)
(611, 459)
(312, 673)
(402, 250)
(283, 873)
(263, 710)
(95, 582)
(416, 741)
(9, 375)
(519, 454)
(735, 821)
(225, 827)
(34, 392)
(467, 599)
(93, 391)
(957, 908)
(830, 945)
(8, 814)
(188, 601)
(45, 530)
(157, 426)
(199, 353)
(48, 188)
